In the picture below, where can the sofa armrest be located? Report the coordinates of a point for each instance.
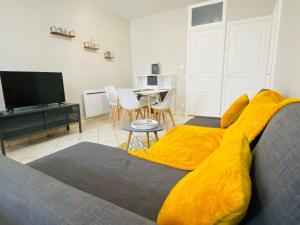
(203, 121)
(31, 197)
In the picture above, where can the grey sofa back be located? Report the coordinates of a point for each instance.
(276, 172)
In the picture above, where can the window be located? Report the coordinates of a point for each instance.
(207, 14)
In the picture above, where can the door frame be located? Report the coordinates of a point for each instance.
(277, 15)
(206, 27)
(226, 56)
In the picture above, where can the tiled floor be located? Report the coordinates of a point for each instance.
(96, 130)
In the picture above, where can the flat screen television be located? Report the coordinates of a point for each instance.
(21, 89)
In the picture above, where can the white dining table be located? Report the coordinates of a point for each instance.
(150, 94)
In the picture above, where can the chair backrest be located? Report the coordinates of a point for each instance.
(127, 99)
(111, 94)
(168, 100)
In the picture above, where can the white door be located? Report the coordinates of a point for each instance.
(247, 55)
(206, 51)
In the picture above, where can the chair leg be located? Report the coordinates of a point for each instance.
(119, 111)
(123, 118)
(130, 116)
(155, 114)
(165, 121)
(110, 114)
(159, 116)
(171, 116)
(116, 115)
(141, 113)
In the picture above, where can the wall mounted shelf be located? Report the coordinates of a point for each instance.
(62, 32)
(92, 48)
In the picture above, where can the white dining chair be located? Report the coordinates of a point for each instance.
(164, 108)
(130, 105)
(113, 100)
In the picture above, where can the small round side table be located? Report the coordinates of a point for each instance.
(147, 131)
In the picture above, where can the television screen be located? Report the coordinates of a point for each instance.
(22, 89)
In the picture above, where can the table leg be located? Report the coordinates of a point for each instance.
(129, 138)
(156, 136)
(149, 106)
(158, 97)
(148, 139)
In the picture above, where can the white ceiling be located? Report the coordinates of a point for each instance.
(139, 8)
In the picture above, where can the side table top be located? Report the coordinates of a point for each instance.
(156, 129)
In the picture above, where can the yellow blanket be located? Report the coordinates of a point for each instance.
(185, 147)
(178, 147)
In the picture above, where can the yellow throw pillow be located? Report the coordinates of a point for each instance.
(217, 192)
(234, 111)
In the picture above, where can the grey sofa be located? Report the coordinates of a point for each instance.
(95, 184)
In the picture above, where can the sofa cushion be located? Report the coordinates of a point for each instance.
(234, 111)
(276, 171)
(29, 197)
(113, 175)
(203, 121)
(217, 192)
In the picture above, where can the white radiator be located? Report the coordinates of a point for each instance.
(95, 103)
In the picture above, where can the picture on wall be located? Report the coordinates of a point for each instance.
(155, 68)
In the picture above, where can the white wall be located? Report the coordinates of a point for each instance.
(163, 38)
(25, 43)
(244, 9)
(287, 75)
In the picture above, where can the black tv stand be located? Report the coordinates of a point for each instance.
(21, 122)
(61, 103)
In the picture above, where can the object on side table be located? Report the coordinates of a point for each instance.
(145, 124)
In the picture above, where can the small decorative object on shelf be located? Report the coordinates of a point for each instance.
(109, 55)
(62, 32)
(90, 45)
